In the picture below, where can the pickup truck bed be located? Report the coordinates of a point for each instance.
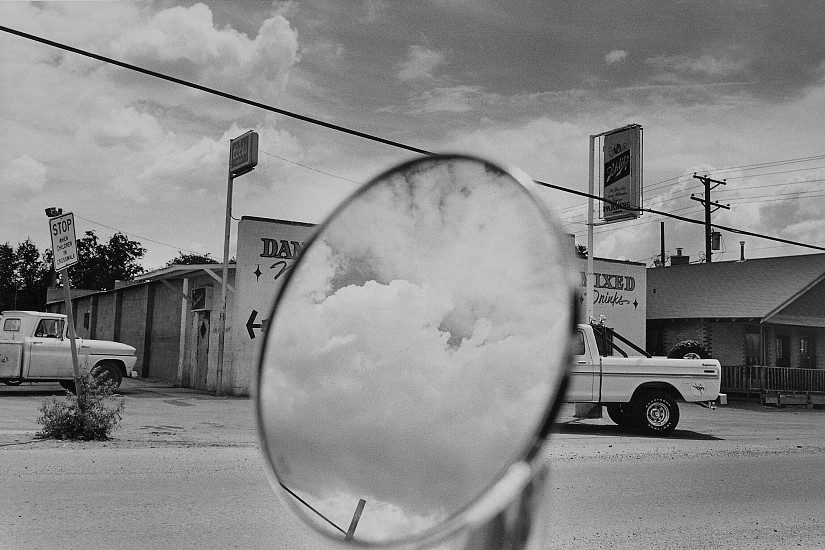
(639, 391)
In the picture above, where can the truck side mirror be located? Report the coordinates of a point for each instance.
(416, 356)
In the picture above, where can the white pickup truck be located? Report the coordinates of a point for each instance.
(34, 347)
(639, 390)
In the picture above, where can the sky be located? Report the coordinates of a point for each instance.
(733, 90)
(393, 371)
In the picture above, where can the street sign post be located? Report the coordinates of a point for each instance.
(622, 187)
(243, 157)
(64, 241)
(64, 252)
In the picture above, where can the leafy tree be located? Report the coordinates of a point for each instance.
(191, 259)
(100, 264)
(8, 287)
(24, 277)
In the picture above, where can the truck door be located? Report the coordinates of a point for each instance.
(583, 371)
(11, 348)
(50, 355)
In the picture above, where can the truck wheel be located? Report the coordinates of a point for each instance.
(108, 372)
(621, 414)
(68, 385)
(656, 413)
(688, 349)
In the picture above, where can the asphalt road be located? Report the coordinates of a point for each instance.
(184, 471)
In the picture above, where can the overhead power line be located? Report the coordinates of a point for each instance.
(371, 137)
(178, 248)
(213, 91)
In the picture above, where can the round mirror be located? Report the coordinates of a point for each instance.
(416, 350)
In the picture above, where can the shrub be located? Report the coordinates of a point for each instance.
(90, 414)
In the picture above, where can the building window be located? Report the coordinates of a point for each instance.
(86, 318)
(753, 349)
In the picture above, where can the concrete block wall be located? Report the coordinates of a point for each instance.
(131, 328)
(165, 332)
(105, 319)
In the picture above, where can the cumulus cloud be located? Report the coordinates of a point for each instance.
(420, 63)
(416, 349)
(615, 56)
(184, 42)
(22, 176)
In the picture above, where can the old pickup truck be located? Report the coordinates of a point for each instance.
(637, 389)
(34, 347)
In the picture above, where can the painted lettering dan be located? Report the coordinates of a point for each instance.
(283, 249)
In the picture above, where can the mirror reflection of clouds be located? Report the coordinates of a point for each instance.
(416, 348)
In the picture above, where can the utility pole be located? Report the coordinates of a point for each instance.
(710, 208)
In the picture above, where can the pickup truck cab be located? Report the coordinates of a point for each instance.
(637, 389)
(35, 347)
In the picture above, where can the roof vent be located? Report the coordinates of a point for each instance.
(678, 259)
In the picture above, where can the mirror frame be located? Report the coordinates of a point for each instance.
(516, 479)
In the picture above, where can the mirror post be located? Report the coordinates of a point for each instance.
(356, 518)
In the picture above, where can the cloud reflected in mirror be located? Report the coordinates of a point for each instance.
(415, 349)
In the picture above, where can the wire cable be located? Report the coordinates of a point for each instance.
(384, 141)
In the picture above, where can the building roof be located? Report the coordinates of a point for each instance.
(767, 289)
(182, 271)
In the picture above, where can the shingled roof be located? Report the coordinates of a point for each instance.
(788, 289)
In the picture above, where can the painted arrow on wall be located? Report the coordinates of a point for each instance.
(251, 325)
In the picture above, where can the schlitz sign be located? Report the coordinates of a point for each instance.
(622, 174)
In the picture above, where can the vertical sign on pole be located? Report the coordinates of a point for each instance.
(243, 157)
(64, 251)
(622, 187)
(622, 173)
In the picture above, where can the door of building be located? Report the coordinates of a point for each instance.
(783, 350)
(807, 354)
(202, 349)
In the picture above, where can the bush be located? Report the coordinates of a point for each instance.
(90, 414)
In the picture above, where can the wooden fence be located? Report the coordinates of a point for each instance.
(758, 379)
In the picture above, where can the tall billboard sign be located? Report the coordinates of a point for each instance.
(622, 180)
(243, 153)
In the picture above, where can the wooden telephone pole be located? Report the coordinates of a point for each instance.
(710, 208)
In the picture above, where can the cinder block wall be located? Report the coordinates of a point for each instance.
(105, 322)
(132, 326)
(165, 332)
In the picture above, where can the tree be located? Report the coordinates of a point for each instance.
(99, 264)
(191, 259)
(24, 277)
